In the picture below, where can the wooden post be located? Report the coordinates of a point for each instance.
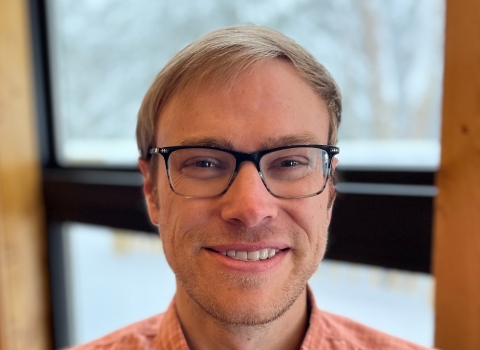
(24, 320)
(457, 207)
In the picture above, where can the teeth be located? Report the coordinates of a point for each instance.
(241, 255)
(271, 252)
(261, 254)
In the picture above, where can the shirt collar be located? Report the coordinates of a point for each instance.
(170, 335)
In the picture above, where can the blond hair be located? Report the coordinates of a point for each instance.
(221, 55)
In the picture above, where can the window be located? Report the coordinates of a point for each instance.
(94, 61)
(385, 55)
(117, 277)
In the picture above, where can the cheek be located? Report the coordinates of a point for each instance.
(169, 213)
(179, 219)
(312, 217)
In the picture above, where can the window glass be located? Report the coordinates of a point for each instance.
(114, 278)
(119, 277)
(387, 57)
(393, 301)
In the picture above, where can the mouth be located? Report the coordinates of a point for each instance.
(244, 255)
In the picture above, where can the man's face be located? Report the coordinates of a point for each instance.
(268, 107)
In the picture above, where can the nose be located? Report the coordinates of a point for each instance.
(247, 202)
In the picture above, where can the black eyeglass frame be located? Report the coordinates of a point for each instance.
(240, 157)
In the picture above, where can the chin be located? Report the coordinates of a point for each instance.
(252, 304)
(247, 312)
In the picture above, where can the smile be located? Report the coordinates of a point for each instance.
(250, 258)
(262, 254)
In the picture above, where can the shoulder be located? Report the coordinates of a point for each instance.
(343, 333)
(139, 335)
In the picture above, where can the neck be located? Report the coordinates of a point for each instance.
(202, 331)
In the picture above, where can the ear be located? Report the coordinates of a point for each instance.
(150, 191)
(332, 193)
(334, 166)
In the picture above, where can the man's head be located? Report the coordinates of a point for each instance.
(244, 89)
(219, 57)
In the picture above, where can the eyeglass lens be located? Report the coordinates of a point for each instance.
(289, 173)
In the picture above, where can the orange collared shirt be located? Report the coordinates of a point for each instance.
(326, 331)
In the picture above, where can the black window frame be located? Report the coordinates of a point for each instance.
(390, 229)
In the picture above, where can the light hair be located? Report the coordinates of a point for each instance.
(220, 56)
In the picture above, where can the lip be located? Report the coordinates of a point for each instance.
(248, 247)
(259, 266)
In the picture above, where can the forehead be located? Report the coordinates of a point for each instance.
(268, 106)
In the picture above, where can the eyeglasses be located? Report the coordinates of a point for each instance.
(287, 172)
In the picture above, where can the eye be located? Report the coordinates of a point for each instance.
(289, 163)
(204, 164)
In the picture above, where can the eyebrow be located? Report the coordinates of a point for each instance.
(290, 140)
(219, 142)
(272, 142)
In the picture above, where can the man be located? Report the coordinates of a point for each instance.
(236, 138)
